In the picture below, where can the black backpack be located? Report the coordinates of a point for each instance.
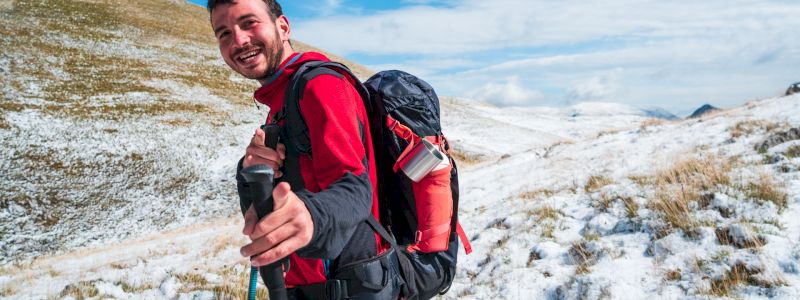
(413, 104)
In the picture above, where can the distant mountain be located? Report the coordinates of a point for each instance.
(659, 113)
(703, 110)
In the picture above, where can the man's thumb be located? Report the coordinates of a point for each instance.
(258, 137)
(280, 194)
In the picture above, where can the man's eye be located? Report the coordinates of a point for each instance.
(222, 35)
(249, 23)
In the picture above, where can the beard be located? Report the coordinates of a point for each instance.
(274, 58)
(273, 54)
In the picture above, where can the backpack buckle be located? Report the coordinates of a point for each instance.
(336, 289)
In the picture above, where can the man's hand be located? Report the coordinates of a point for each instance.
(288, 228)
(258, 154)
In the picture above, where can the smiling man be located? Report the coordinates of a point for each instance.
(319, 220)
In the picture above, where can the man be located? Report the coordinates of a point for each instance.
(320, 227)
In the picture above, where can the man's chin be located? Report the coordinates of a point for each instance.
(253, 73)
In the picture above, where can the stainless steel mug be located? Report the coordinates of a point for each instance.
(423, 158)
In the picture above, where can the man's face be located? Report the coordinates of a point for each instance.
(250, 42)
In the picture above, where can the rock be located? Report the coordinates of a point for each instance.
(779, 138)
(739, 236)
(602, 224)
(546, 249)
(170, 287)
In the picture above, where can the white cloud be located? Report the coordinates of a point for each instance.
(597, 88)
(669, 53)
(509, 92)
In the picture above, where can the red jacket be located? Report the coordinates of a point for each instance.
(340, 186)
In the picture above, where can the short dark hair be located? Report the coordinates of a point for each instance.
(274, 8)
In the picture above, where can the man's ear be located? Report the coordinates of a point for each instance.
(284, 29)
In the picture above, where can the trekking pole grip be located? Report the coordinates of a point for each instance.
(262, 177)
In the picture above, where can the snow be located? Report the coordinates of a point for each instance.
(598, 244)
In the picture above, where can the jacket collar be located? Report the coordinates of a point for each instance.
(276, 84)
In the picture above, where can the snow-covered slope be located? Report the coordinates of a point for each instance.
(581, 221)
(569, 220)
(509, 131)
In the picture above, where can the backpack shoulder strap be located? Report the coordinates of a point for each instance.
(294, 133)
(297, 131)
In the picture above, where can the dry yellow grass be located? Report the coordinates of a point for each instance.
(688, 181)
(641, 180)
(81, 290)
(582, 257)
(7, 291)
(545, 213)
(537, 194)
(596, 182)
(747, 127)
(651, 122)
(673, 275)
(631, 207)
(767, 189)
(464, 159)
(793, 151)
(235, 285)
(740, 274)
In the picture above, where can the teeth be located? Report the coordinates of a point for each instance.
(248, 55)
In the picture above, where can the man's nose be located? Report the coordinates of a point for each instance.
(240, 37)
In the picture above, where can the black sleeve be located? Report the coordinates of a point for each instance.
(336, 213)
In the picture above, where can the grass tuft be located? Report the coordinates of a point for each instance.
(81, 290)
(651, 123)
(793, 151)
(466, 159)
(673, 275)
(537, 194)
(688, 183)
(631, 207)
(582, 257)
(740, 274)
(8, 291)
(767, 189)
(596, 182)
(747, 127)
(191, 281)
(545, 213)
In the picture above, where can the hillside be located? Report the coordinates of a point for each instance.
(657, 209)
(118, 118)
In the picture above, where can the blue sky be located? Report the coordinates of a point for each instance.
(672, 54)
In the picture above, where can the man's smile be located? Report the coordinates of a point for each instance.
(248, 57)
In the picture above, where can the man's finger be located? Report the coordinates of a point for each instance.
(280, 251)
(258, 137)
(270, 223)
(251, 160)
(281, 151)
(280, 195)
(263, 152)
(268, 241)
(250, 220)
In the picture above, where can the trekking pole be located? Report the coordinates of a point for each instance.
(261, 177)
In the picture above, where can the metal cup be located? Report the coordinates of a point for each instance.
(423, 158)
